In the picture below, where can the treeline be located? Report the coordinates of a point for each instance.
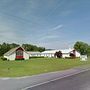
(29, 47)
(4, 47)
(82, 47)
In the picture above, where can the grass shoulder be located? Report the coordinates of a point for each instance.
(37, 66)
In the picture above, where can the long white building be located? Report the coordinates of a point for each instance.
(65, 53)
(51, 53)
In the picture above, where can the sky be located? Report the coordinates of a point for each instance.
(52, 24)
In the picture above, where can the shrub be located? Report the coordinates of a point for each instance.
(37, 57)
(3, 58)
(19, 59)
(58, 54)
(68, 57)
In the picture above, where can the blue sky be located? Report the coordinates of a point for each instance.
(49, 23)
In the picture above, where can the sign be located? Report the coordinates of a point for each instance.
(83, 57)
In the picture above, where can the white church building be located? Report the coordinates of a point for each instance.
(19, 53)
(16, 53)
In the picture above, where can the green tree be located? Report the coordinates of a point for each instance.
(58, 54)
(41, 49)
(81, 47)
(88, 50)
(29, 47)
(13, 45)
(4, 47)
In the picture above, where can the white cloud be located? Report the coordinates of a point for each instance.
(51, 34)
(57, 27)
(49, 37)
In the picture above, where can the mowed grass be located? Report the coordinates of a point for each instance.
(37, 66)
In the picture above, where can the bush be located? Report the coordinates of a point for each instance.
(58, 54)
(68, 57)
(36, 57)
(3, 58)
(19, 59)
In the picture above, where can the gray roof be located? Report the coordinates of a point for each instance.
(31, 52)
(65, 51)
(12, 50)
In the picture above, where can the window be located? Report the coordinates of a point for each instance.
(19, 53)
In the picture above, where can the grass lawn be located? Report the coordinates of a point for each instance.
(37, 66)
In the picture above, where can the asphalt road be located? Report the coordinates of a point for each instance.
(76, 82)
(53, 81)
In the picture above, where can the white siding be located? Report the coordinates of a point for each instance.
(11, 56)
(32, 54)
(77, 54)
(48, 54)
(26, 55)
(65, 55)
(5, 56)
